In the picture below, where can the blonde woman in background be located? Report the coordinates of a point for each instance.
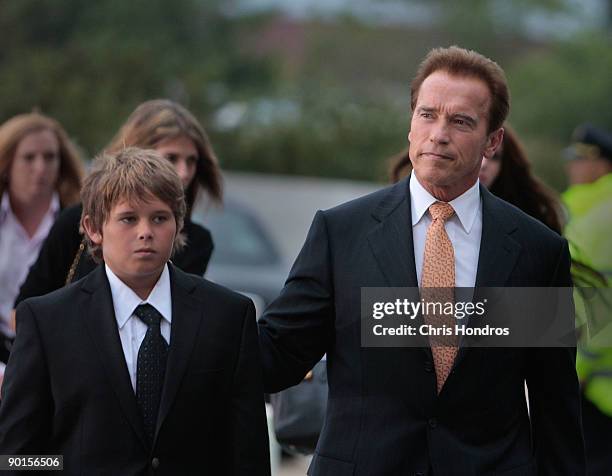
(40, 173)
(173, 131)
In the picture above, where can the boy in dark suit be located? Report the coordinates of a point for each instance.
(138, 368)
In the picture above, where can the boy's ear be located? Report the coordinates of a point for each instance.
(94, 236)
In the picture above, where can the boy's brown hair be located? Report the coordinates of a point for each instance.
(134, 175)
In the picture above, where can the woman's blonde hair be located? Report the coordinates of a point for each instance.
(12, 133)
(157, 120)
(133, 175)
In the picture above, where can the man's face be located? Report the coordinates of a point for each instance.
(137, 240)
(587, 169)
(448, 133)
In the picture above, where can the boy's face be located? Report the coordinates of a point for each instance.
(137, 240)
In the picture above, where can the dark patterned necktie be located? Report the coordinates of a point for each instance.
(151, 368)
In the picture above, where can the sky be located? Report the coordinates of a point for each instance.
(584, 13)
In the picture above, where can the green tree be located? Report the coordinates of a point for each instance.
(89, 63)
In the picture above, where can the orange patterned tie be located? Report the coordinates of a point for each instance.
(439, 275)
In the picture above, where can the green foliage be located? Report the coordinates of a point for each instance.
(568, 83)
(331, 138)
(90, 63)
(556, 88)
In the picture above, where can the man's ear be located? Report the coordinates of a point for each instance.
(94, 236)
(493, 142)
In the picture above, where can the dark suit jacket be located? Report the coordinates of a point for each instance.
(384, 416)
(57, 253)
(67, 389)
(5, 347)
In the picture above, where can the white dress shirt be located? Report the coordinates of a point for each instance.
(464, 230)
(131, 329)
(18, 251)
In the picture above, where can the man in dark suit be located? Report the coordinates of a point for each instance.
(436, 410)
(138, 368)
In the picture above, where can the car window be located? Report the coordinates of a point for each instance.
(238, 237)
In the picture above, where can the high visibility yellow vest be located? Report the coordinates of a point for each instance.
(589, 232)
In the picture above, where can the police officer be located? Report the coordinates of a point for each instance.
(589, 204)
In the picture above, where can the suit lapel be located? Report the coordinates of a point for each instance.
(392, 243)
(186, 318)
(391, 239)
(498, 250)
(102, 327)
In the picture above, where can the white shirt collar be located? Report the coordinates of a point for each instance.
(55, 203)
(125, 300)
(5, 206)
(466, 205)
(6, 210)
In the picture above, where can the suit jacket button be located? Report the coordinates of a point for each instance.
(429, 366)
(432, 423)
(155, 463)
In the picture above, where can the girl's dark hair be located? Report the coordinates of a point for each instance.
(517, 184)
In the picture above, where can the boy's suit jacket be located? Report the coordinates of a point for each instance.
(67, 389)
